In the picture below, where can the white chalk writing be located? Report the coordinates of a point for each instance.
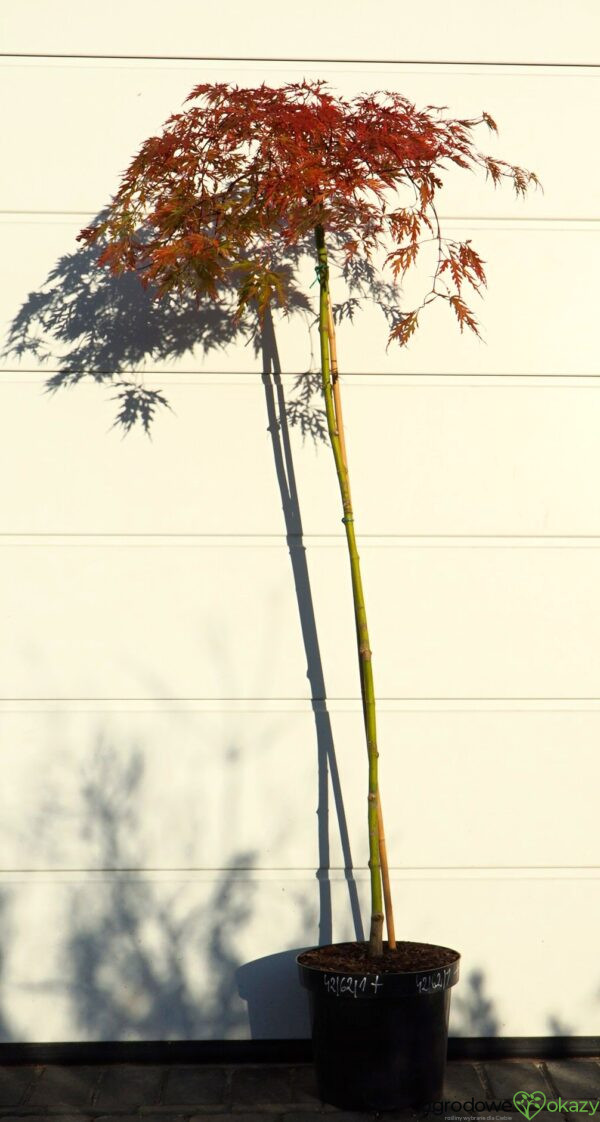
(438, 980)
(339, 985)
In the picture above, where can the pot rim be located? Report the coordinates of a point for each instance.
(370, 984)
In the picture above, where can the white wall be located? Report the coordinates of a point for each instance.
(160, 755)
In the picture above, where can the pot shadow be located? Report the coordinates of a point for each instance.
(277, 1005)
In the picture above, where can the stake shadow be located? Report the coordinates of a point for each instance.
(326, 756)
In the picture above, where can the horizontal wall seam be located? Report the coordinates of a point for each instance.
(287, 706)
(479, 223)
(593, 66)
(338, 874)
(186, 540)
(305, 701)
(551, 221)
(11, 376)
(299, 869)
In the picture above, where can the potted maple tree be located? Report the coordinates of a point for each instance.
(215, 206)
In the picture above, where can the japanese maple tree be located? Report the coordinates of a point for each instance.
(243, 177)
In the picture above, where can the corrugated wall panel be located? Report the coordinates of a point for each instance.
(82, 159)
(533, 321)
(176, 618)
(178, 957)
(179, 784)
(157, 629)
(531, 33)
(466, 456)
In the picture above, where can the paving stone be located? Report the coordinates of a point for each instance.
(261, 1092)
(543, 1116)
(303, 1081)
(195, 1086)
(268, 1085)
(338, 1115)
(506, 1077)
(407, 1115)
(463, 1083)
(24, 1117)
(127, 1085)
(162, 1117)
(509, 1076)
(61, 1087)
(239, 1116)
(14, 1082)
(575, 1079)
(403, 1114)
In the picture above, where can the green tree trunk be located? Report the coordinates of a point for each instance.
(360, 614)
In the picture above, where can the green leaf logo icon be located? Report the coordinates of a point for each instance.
(528, 1103)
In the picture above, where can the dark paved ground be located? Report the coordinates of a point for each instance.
(272, 1092)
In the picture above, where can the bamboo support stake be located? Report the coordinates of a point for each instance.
(360, 615)
(337, 403)
(335, 382)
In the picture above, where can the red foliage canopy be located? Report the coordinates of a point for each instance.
(210, 203)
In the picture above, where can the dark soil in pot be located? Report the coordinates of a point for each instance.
(353, 958)
(380, 1026)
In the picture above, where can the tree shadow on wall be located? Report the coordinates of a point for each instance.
(473, 1010)
(144, 960)
(83, 322)
(6, 1035)
(475, 1014)
(128, 977)
(86, 323)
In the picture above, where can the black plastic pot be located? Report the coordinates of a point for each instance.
(380, 1040)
